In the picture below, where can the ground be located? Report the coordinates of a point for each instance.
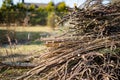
(24, 48)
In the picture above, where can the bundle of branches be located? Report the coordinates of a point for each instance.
(75, 55)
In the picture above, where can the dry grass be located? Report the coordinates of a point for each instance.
(24, 48)
(22, 51)
(29, 29)
(35, 32)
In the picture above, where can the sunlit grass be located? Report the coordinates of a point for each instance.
(29, 28)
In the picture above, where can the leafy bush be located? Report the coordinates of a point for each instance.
(39, 18)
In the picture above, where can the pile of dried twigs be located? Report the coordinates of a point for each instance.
(75, 54)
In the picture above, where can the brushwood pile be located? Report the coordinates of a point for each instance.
(89, 50)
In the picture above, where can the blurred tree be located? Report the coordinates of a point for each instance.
(61, 7)
(39, 16)
(11, 12)
(41, 9)
(32, 7)
(21, 6)
(51, 20)
(7, 4)
(50, 7)
(6, 8)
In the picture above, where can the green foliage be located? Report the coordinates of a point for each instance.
(4, 7)
(38, 17)
(41, 9)
(51, 3)
(32, 7)
(108, 50)
(10, 12)
(21, 7)
(7, 5)
(50, 7)
(61, 7)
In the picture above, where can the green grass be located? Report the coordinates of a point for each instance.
(108, 50)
